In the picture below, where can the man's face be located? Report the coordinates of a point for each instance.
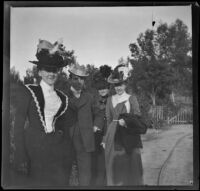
(78, 82)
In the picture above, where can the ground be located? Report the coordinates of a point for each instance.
(167, 156)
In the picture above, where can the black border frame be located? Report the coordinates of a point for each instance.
(6, 82)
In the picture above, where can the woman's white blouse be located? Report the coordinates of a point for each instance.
(51, 106)
(121, 98)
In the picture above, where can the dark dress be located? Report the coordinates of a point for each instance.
(122, 167)
(48, 155)
(98, 156)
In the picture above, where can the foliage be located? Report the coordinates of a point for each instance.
(91, 69)
(14, 76)
(105, 70)
(161, 61)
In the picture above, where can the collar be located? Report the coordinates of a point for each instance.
(45, 87)
(120, 98)
(75, 92)
(123, 96)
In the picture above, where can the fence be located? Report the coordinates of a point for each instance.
(162, 113)
(183, 116)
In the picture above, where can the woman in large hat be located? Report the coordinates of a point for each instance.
(122, 141)
(98, 157)
(44, 146)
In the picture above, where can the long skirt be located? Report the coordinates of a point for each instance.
(49, 161)
(122, 169)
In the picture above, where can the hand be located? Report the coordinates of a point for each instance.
(95, 129)
(103, 145)
(122, 122)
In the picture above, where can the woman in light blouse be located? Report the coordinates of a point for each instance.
(122, 140)
(44, 146)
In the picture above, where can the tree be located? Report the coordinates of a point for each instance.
(176, 47)
(105, 70)
(160, 60)
(14, 76)
(29, 78)
(91, 69)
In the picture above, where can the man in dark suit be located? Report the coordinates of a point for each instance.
(89, 116)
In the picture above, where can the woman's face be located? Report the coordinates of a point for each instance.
(48, 77)
(103, 92)
(120, 88)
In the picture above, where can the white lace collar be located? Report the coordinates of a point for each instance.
(45, 87)
(116, 99)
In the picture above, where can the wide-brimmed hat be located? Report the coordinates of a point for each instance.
(119, 75)
(51, 55)
(100, 82)
(78, 70)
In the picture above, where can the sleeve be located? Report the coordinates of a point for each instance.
(134, 120)
(108, 112)
(135, 109)
(109, 117)
(22, 105)
(69, 118)
(98, 114)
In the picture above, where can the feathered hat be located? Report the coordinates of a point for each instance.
(120, 74)
(100, 77)
(51, 55)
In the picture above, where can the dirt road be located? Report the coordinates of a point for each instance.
(168, 156)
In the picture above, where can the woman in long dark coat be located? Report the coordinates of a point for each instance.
(122, 141)
(44, 146)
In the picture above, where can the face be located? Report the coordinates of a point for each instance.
(80, 80)
(49, 77)
(103, 92)
(120, 88)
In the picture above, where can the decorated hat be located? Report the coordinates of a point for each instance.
(100, 77)
(51, 55)
(100, 82)
(78, 70)
(120, 74)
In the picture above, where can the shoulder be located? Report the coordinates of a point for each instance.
(89, 95)
(61, 93)
(31, 88)
(25, 90)
(133, 98)
(110, 99)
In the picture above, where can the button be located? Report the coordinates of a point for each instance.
(60, 132)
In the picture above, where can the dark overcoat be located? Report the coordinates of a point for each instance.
(47, 154)
(88, 115)
(129, 137)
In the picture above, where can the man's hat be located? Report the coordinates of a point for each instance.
(51, 55)
(120, 74)
(78, 70)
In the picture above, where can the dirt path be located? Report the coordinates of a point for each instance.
(168, 156)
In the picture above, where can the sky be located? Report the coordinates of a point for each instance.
(98, 35)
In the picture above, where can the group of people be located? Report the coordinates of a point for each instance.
(102, 130)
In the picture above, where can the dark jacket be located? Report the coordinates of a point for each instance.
(101, 104)
(88, 115)
(35, 147)
(129, 137)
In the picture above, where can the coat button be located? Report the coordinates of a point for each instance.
(60, 132)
